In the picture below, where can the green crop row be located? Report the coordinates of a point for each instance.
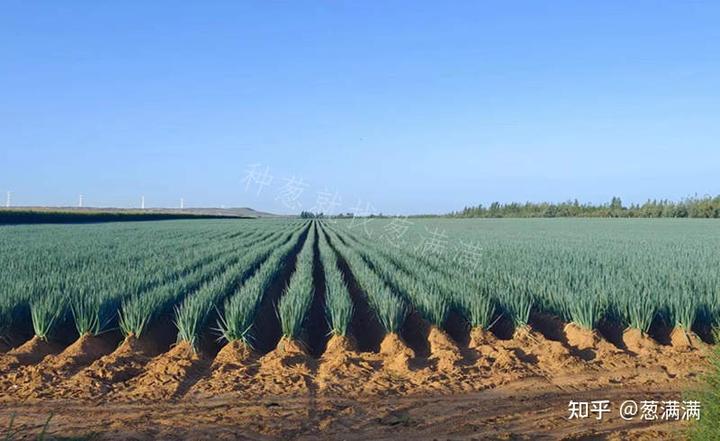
(294, 305)
(338, 304)
(240, 309)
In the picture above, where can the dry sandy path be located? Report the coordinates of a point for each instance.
(507, 412)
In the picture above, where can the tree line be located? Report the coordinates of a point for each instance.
(693, 207)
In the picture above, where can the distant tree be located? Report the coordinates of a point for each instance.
(309, 215)
(705, 207)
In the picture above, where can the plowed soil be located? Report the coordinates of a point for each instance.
(484, 388)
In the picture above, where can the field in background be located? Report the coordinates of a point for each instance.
(536, 309)
(637, 273)
(60, 215)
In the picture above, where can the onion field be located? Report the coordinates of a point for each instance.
(633, 274)
(213, 279)
(163, 310)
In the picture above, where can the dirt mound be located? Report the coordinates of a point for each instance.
(493, 357)
(291, 348)
(42, 379)
(339, 345)
(480, 337)
(684, 340)
(234, 353)
(549, 356)
(443, 350)
(402, 372)
(109, 371)
(344, 370)
(441, 343)
(536, 342)
(640, 343)
(496, 358)
(286, 370)
(581, 338)
(589, 343)
(84, 351)
(397, 354)
(394, 374)
(392, 345)
(132, 344)
(232, 370)
(31, 352)
(490, 351)
(34, 350)
(167, 376)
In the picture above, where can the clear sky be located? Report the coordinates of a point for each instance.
(400, 106)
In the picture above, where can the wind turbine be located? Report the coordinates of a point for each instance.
(7, 198)
(80, 201)
(142, 202)
(182, 203)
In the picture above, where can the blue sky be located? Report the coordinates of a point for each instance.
(403, 107)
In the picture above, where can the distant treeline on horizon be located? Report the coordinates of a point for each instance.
(694, 207)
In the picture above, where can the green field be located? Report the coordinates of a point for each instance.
(258, 280)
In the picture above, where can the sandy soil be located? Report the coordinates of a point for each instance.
(484, 388)
(521, 410)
